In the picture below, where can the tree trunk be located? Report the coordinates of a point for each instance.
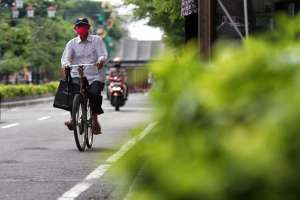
(206, 26)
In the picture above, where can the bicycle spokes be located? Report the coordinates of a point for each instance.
(79, 117)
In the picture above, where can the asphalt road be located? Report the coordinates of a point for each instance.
(38, 156)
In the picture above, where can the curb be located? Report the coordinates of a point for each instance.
(14, 104)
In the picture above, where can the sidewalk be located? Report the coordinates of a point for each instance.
(12, 104)
(37, 100)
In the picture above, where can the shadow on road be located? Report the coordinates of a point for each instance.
(100, 149)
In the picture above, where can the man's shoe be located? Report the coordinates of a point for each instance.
(69, 124)
(96, 128)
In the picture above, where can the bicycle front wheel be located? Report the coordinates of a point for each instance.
(79, 120)
(90, 135)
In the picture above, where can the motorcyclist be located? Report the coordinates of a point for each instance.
(87, 49)
(117, 72)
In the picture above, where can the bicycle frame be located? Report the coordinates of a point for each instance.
(85, 122)
(81, 68)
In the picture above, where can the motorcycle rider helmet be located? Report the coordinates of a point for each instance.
(117, 62)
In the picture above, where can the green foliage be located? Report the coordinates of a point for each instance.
(38, 43)
(41, 6)
(164, 14)
(10, 64)
(228, 129)
(78, 8)
(14, 44)
(49, 38)
(12, 91)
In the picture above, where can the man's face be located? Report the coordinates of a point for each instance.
(82, 30)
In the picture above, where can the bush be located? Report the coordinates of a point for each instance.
(227, 129)
(12, 91)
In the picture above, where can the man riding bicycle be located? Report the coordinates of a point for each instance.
(87, 49)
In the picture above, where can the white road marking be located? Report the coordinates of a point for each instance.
(44, 118)
(132, 187)
(10, 125)
(125, 108)
(75, 191)
(66, 113)
(98, 172)
(14, 109)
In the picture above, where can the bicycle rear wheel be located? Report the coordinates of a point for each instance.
(79, 120)
(90, 135)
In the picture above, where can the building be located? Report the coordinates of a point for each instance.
(235, 19)
(256, 16)
(135, 55)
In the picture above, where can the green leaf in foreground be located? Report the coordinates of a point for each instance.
(228, 129)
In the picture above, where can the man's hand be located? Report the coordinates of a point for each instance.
(67, 69)
(100, 64)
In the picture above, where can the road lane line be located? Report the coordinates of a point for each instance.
(66, 113)
(14, 109)
(98, 172)
(95, 175)
(44, 118)
(132, 187)
(125, 148)
(126, 108)
(10, 125)
(73, 193)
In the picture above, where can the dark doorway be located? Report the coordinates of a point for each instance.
(289, 7)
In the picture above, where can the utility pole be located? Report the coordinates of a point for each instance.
(206, 26)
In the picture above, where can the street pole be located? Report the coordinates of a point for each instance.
(246, 18)
(206, 26)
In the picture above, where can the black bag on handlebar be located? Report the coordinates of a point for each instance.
(65, 94)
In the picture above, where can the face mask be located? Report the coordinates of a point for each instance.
(82, 31)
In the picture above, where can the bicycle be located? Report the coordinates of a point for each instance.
(81, 112)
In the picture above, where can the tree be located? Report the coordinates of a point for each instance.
(38, 43)
(42, 5)
(164, 14)
(13, 47)
(49, 38)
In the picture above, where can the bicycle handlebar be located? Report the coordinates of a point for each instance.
(82, 65)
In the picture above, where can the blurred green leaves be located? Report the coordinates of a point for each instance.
(38, 43)
(48, 40)
(10, 92)
(228, 129)
(14, 44)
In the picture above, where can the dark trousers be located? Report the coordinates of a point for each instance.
(94, 94)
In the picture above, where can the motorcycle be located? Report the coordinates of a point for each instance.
(117, 92)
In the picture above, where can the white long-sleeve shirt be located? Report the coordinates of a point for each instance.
(85, 52)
